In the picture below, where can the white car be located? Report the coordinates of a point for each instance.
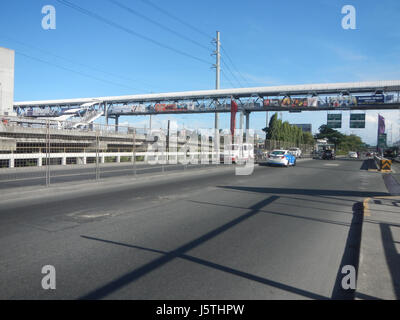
(353, 155)
(296, 152)
(282, 158)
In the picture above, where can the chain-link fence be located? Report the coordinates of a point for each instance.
(307, 150)
(35, 152)
(42, 152)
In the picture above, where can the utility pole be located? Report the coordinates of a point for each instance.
(150, 123)
(217, 72)
(167, 147)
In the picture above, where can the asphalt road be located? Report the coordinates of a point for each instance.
(36, 176)
(280, 233)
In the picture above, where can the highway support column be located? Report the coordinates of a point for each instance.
(247, 120)
(116, 123)
(217, 73)
(106, 112)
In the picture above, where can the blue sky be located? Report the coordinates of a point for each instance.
(270, 43)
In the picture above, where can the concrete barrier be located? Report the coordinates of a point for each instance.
(383, 164)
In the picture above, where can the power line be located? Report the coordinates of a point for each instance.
(164, 27)
(74, 71)
(127, 30)
(230, 71)
(74, 62)
(198, 31)
(229, 58)
(177, 19)
(227, 78)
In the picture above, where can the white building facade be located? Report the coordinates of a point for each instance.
(7, 57)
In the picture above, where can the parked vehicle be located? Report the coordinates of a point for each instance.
(391, 153)
(259, 155)
(353, 155)
(295, 151)
(281, 158)
(328, 155)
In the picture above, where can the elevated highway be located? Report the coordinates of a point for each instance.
(309, 97)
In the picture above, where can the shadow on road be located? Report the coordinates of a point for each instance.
(280, 213)
(351, 255)
(307, 192)
(175, 254)
(157, 263)
(392, 256)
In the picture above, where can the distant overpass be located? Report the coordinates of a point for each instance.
(296, 98)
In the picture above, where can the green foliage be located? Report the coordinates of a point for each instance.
(308, 138)
(285, 132)
(341, 141)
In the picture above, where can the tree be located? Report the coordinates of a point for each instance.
(285, 132)
(332, 135)
(341, 141)
(308, 138)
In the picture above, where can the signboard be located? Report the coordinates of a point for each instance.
(377, 98)
(357, 121)
(342, 101)
(271, 103)
(291, 102)
(334, 120)
(382, 141)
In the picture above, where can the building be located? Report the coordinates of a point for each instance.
(307, 127)
(6, 81)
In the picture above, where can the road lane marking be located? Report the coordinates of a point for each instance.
(367, 213)
(93, 173)
(366, 201)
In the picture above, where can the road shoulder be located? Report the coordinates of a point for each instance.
(379, 272)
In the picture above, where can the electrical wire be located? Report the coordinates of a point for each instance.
(164, 27)
(74, 62)
(127, 30)
(229, 58)
(230, 71)
(177, 19)
(227, 78)
(74, 71)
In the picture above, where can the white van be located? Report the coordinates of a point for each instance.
(295, 151)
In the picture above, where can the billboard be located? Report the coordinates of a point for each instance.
(377, 98)
(174, 107)
(381, 124)
(381, 141)
(271, 103)
(357, 121)
(334, 120)
(291, 102)
(341, 101)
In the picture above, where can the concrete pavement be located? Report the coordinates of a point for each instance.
(379, 273)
